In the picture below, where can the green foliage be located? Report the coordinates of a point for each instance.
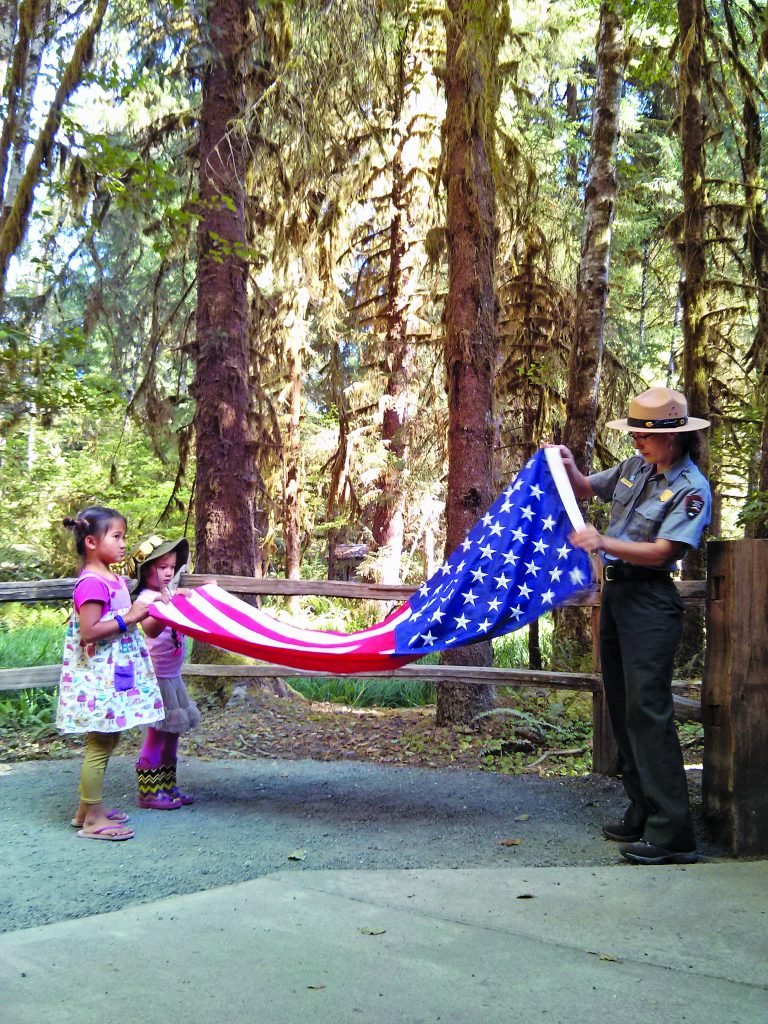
(691, 735)
(33, 711)
(20, 648)
(511, 650)
(97, 338)
(538, 729)
(358, 692)
(754, 514)
(29, 636)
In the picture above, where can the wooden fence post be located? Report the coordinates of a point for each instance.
(605, 754)
(735, 696)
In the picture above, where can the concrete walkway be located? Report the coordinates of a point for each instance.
(561, 945)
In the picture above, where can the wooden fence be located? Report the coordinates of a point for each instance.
(603, 748)
(734, 697)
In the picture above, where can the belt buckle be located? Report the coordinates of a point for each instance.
(611, 573)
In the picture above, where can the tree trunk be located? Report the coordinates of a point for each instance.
(8, 25)
(572, 111)
(572, 625)
(756, 242)
(225, 483)
(696, 368)
(405, 256)
(297, 326)
(644, 294)
(471, 312)
(599, 205)
(693, 246)
(16, 219)
(389, 518)
(34, 36)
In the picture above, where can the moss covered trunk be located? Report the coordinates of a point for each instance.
(696, 366)
(599, 205)
(388, 520)
(225, 482)
(471, 331)
(572, 643)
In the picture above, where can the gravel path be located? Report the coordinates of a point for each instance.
(255, 817)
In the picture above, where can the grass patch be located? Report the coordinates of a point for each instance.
(31, 635)
(32, 645)
(34, 711)
(28, 637)
(358, 692)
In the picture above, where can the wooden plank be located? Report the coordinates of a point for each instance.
(48, 675)
(42, 676)
(279, 587)
(38, 590)
(37, 678)
(61, 590)
(472, 676)
(735, 696)
(686, 708)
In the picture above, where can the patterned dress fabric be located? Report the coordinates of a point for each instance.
(91, 697)
(167, 652)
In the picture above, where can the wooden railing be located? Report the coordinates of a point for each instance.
(603, 749)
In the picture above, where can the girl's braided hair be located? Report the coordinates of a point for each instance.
(93, 521)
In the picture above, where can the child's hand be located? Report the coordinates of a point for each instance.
(184, 591)
(136, 613)
(165, 595)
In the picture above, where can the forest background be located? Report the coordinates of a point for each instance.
(283, 276)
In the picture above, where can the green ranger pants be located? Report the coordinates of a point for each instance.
(640, 629)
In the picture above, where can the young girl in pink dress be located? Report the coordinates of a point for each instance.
(107, 681)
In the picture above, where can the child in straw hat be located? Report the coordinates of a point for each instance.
(154, 564)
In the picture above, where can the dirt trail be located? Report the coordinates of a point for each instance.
(254, 817)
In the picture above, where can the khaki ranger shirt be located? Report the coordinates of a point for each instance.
(646, 505)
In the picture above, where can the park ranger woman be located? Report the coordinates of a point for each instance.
(660, 506)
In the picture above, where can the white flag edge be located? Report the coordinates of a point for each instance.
(564, 488)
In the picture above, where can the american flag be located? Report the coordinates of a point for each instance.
(514, 565)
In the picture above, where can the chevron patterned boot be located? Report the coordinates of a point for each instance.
(173, 789)
(153, 788)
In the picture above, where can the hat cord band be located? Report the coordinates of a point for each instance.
(676, 421)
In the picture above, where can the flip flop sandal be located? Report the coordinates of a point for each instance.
(116, 815)
(101, 833)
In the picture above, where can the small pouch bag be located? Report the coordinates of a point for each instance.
(125, 676)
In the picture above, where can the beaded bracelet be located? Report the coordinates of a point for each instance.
(121, 623)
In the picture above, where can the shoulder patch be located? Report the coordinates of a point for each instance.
(694, 503)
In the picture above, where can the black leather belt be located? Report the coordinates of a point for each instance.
(613, 573)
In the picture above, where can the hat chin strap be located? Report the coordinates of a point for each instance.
(174, 584)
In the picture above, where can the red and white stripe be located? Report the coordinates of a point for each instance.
(216, 617)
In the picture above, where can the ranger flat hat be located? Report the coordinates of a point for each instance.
(155, 547)
(659, 409)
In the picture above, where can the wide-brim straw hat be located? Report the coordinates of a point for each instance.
(661, 410)
(155, 547)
